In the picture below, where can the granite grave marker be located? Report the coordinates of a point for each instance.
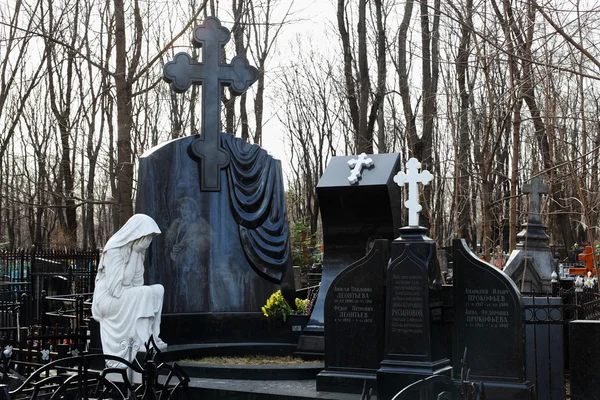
(352, 215)
(413, 317)
(489, 322)
(220, 202)
(354, 314)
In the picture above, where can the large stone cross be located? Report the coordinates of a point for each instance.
(536, 188)
(182, 72)
(413, 177)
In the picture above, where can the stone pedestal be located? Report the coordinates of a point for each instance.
(531, 265)
(413, 326)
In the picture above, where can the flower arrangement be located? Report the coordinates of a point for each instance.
(277, 306)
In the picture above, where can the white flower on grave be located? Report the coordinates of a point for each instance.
(8, 351)
(45, 355)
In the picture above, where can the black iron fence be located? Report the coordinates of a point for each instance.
(34, 272)
(83, 376)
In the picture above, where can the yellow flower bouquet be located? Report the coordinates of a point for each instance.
(277, 306)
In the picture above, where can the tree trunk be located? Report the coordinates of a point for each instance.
(123, 96)
(464, 147)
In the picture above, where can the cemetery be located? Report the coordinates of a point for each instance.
(203, 272)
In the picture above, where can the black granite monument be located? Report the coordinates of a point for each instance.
(354, 314)
(413, 313)
(359, 203)
(220, 204)
(489, 322)
(413, 319)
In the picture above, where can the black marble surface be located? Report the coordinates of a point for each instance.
(352, 215)
(413, 320)
(224, 251)
(584, 357)
(354, 313)
(488, 319)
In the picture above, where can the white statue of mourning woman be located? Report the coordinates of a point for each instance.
(128, 312)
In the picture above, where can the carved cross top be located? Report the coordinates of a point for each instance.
(183, 72)
(413, 177)
(536, 188)
(357, 166)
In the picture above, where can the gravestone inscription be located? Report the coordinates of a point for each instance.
(354, 313)
(489, 322)
(413, 320)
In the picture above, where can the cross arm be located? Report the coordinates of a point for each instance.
(238, 75)
(182, 72)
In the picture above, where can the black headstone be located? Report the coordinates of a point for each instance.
(219, 252)
(352, 215)
(354, 313)
(584, 357)
(413, 320)
(489, 322)
(219, 201)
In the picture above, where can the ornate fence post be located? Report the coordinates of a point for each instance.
(81, 330)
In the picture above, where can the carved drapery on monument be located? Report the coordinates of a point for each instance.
(220, 200)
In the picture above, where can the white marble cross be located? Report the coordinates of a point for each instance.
(357, 166)
(412, 177)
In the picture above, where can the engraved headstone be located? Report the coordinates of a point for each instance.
(489, 322)
(221, 205)
(413, 317)
(354, 313)
(352, 215)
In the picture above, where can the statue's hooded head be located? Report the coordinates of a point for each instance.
(138, 226)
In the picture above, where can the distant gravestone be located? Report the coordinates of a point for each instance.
(413, 317)
(489, 322)
(531, 264)
(220, 203)
(354, 313)
(352, 214)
